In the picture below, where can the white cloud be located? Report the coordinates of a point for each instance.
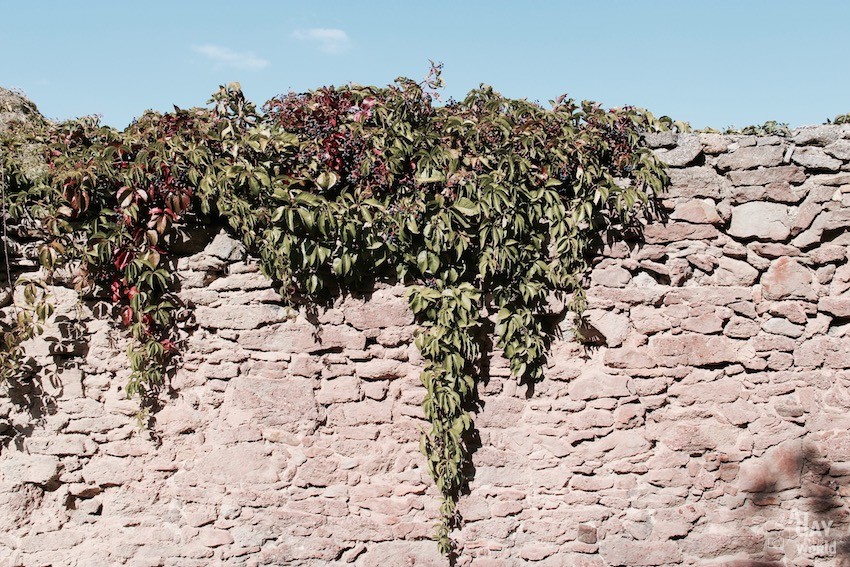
(330, 40)
(230, 58)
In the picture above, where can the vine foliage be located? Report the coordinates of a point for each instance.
(484, 207)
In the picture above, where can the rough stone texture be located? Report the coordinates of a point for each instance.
(815, 158)
(686, 150)
(751, 157)
(766, 221)
(787, 278)
(709, 424)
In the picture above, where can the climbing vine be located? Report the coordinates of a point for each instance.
(484, 207)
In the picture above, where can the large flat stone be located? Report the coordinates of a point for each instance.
(766, 221)
(18, 468)
(764, 176)
(815, 159)
(751, 157)
(240, 316)
(699, 182)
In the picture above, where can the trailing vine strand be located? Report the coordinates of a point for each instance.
(483, 207)
(24, 320)
(3, 219)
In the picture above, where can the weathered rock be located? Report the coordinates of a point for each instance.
(301, 336)
(815, 159)
(713, 144)
(751, 158)
(827, 254)
(666, 139)
(734, 272)
(62, 445)
(707, 323)
(787, 278)
(837, 306)
(246, 462)
(795, 311)
(780, 326)
(647, 320)
(598, 385)
(768, 343)
(106, 471)
(741, 328)
(830, 352)
(614, 327)
(621, 551)
(824, 221)
(240, 316)
(698, 437)
(699, 211)
(677, 231)
(18, 468)
(778, 469)
(341, 389)
(839, 149)
(18, 114)
(628, 358)
(768, 221)
(687, 149)
(699, 182)
(612, 276)
(361, 413)
(225, 247)
(241, 282)
(723, 390)
(698, 350)
(773, 249)
(765, 176)
(211, 537)
(16, 110)
(378, 369)
(385, 308)
(815, 135)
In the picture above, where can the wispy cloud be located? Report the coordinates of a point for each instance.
(329, 40)
(230, 58)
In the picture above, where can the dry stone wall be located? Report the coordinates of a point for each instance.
(707, 424)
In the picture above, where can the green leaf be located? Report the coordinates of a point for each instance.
(422, 261)
(327, 180)
(430, 176)
(278, 214)
(466, 207)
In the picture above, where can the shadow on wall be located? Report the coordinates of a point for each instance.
(26, 406)
(31, 396)
(795, 493)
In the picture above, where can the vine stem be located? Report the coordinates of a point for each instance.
(5, 229)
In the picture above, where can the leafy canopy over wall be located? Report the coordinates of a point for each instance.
(483, 207)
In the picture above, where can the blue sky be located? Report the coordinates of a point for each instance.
(717, 63)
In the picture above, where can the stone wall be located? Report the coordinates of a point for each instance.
(708, 426)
